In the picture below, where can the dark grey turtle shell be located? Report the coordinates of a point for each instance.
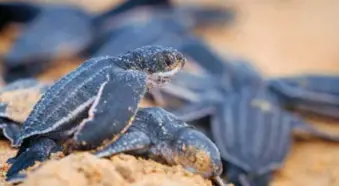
(251, 132)
(18, 98)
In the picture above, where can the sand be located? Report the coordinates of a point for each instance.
(280, 38)
(84, 169)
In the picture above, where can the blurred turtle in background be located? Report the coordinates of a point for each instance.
(53, 32)
(17, 12)
(248, 120)
(168, 27)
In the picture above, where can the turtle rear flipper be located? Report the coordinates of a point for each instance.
(39, 151)
(126, 87)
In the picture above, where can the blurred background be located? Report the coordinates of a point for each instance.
(280, 37)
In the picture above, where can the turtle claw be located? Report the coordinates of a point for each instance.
(133, 141)
(100, 125)
(39, 151)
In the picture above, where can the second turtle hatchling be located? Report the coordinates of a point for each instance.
(16, 102)
(92, 105)
(160, 135)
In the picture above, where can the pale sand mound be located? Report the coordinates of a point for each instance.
(83, 169)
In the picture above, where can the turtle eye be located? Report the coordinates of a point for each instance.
(168, 62)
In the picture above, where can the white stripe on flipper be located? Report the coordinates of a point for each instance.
(71, 115)
(91, 110)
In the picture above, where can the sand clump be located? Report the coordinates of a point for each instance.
(82, 169)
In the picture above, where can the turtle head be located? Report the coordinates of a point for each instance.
(159, 62)
(197, 153)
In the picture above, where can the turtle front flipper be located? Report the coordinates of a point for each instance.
(106, 118)
(134, 141)
(299, 123)
(312, 93)
(10, 130)
(39, 151)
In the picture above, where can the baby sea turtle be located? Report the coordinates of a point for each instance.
(160, 135)
(74, 30)
(244, 112)
(16, 102)
(94, 104)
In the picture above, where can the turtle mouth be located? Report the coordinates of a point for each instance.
(161, 78)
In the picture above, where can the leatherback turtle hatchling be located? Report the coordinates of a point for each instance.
(159, 134)
(93, 104)
(16, 102)
(248, 122)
